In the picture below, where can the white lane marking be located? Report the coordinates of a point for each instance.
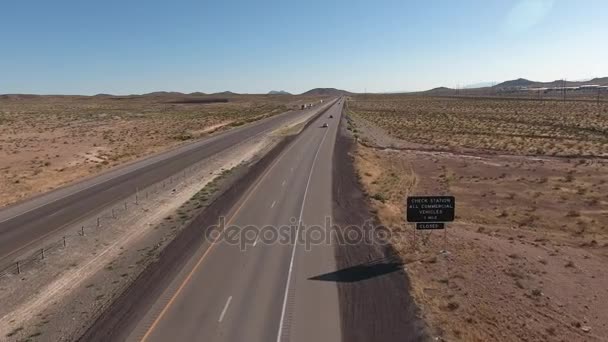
(255, 242)
(225, 309)
(284, 182)
(293, 251)
(273, 203)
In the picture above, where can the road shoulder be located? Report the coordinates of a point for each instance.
(373, 288)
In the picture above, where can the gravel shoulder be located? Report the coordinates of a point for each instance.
(373, 289)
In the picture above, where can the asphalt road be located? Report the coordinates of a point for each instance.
(25, 223)
(264, 292)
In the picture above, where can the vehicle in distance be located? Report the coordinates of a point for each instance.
(324, 125)
(331, 116)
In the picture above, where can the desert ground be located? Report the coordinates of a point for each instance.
(48, 141)
(525, 259)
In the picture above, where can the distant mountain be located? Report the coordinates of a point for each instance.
(483, 88)
(197, 93)
(163, 93)
(326, 92)
(603, 81)
(278, 92)
(225, 93)
(479, 85)
(20, 96)
(522, 82)
(439, 91)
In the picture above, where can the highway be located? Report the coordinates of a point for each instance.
(264, 292)
(25, 223)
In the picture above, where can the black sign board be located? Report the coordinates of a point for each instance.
(433, 225)
(430, 208)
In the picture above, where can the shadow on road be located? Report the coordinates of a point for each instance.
(362, 272)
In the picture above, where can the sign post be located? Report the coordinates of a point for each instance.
(430, 213)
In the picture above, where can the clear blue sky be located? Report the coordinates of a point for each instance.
(122, 47)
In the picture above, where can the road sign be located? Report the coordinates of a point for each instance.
(430, 209)
(433, 225)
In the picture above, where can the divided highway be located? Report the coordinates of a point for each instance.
(25, 223)
(266, 291)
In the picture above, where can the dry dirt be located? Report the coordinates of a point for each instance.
(525, 259)
(48, 141)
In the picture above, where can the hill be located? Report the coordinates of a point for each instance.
(514, 85)
(163, 93)
(225, 93)
(479, 85)
(326, 92)
(278, 92)
(19, 96)
(522, 82)
(439, 91)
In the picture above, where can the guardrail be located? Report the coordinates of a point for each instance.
(38, 255)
